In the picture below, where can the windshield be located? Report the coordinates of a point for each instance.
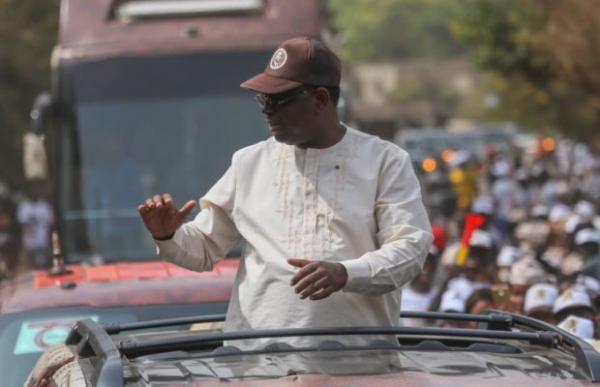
(145, 126)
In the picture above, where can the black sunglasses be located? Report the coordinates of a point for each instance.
(276, 101)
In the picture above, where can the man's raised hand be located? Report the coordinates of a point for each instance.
(161, 217)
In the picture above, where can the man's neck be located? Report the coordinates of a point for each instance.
(333, 133)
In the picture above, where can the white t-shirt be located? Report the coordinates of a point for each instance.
(416, 302)
(357, 203)
(36, 217)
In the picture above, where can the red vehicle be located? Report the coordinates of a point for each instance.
(37, 309)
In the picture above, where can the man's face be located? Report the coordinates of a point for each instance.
(517, 297)
(290, 115)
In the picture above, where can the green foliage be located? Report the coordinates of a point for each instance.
(503, 36)
(28, 32)
(510, 39)
(396, 29)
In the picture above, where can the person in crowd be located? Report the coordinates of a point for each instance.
(539, 301)
(36, 217)
(479, 301)
(581, 327)
(587, 244)
(464, 175)
(422, 290)
(573, 301)
(524, 273)
(507, 195)
(452, 302)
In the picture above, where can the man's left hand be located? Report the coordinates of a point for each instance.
(317, 279)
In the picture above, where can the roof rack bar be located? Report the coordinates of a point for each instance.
(586, 357)
(196, 341)
(112, 328)
(494, 317)
(90, 340)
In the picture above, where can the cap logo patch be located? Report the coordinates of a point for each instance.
(278, 59)
(540, 294)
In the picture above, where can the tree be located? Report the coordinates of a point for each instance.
(571, 40)
(545, 80)
(396, 29)
(28, 31)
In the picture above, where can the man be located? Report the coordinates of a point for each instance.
(332, 217)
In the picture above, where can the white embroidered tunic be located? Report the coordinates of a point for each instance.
(357, 203)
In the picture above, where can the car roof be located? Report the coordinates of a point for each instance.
(118, 284)
(416, 368)
(528, 353)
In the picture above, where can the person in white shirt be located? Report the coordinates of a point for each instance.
(36, 217)
(332, 218)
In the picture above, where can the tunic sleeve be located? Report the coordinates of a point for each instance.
(403, 232)
(198, 244)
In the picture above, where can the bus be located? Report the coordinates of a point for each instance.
(145, 99)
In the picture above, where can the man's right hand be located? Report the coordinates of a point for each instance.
(161, 217)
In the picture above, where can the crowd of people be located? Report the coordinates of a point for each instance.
(517, 232)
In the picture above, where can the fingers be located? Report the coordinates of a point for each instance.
(306, 266)
(323, 293)
(317, 288)
(186, 209)
(158, 201)
(310, 284)
(298, 262)
(162, 202)
(317, 279)
(169, 203)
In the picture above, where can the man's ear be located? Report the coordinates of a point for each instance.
(322, 98)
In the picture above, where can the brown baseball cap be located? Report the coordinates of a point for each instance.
(296, 62)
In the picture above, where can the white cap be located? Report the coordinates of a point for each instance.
(481, 238)
(590, 284)
(571, 298)
(539, 211)
(534, 231)
(452, 302)
(587, 235)
(578, 326)
(507, 256)
(553, 256)
(584, 209)
(572, 222)
(517, 215)
(527, 271)
(571, 264)
(483, 205)
(501, 168)
(559, 212)
(539, 296)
